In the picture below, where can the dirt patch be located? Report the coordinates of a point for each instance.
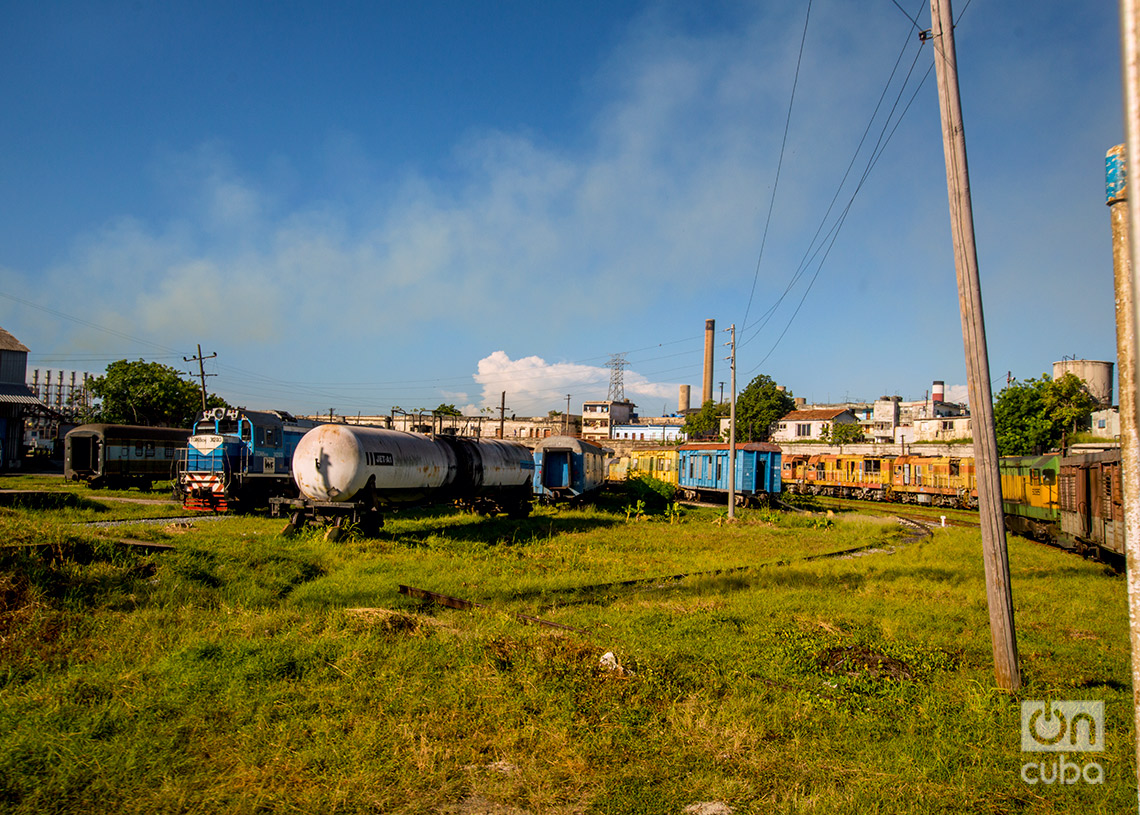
(859, 660)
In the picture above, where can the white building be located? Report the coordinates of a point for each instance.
(599, 418)
(807, 425)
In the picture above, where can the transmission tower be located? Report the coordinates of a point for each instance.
(617, 365)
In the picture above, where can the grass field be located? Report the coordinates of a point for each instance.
(246, 672)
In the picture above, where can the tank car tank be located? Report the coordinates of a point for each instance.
(352, 472)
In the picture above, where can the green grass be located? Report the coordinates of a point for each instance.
(246, 672)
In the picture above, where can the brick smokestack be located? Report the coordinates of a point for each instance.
(683, 399)
(710, 343)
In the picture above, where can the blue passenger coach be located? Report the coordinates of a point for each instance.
(238, 458)
(566, 468)
(702, 472)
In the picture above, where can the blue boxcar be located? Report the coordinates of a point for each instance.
(702, 471)
(238, 458)
(566, 468)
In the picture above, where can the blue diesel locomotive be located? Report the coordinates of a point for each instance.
(238, 459)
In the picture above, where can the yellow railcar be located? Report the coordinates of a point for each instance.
(658, 462)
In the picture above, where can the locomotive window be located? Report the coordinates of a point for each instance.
(246, 431)
(1048, 477)
(954, 465)
(1035, 478)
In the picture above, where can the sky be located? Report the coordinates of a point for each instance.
(365, 205)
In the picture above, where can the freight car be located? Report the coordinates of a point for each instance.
(1072, 501)
(116, 455)
(702, 472)
(567, 469)
(350, 474)
(237, 459)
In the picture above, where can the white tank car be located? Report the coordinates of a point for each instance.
(336, 462)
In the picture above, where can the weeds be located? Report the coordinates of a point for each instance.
(245, 672)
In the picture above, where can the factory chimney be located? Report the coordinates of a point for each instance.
(938, 391)
(683, 399)
(710, 343)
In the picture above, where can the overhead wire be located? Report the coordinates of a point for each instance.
(813, 249)
(779, 164)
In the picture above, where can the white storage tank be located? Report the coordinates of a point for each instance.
(1095, 373)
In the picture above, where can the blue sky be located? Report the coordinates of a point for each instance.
(376, 204)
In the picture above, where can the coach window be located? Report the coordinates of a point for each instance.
(150, 449)
(139, 450)
(170, 451)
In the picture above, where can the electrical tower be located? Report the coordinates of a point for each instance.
(617, 366)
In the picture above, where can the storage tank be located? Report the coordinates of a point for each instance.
(1097, 375)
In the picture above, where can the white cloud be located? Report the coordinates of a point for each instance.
(534, 386)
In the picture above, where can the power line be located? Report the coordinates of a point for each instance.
(833, 232)
(779, 164)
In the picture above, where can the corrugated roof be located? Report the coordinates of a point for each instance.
(17, 395)
(10, 343)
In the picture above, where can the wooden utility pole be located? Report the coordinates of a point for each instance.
(502, 415)
(1127, 347)
(1116, 196)
(731, 425)
(566, 418)
(201, 371)
(998, 592)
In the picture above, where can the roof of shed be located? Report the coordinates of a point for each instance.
(11, 394)
(10, 343)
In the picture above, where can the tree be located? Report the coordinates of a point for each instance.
(447, 410)
(705, 423)
(842, 433)
(1031, 417)
(148, 393)
(759, 406)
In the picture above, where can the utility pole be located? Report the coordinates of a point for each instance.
(201, 371)
(1128, 351)
(731, 425)
(1116, 196)
(566, 418)
(502, 415)
(998, 593)
(721, 402)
